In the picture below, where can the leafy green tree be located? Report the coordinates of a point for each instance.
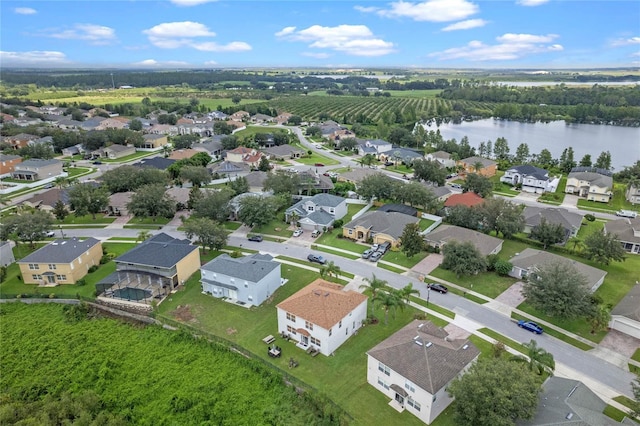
(60, 210)
(586, 161)
(389, 301)
(210, 234)
(566, 160)
(26, 227)
(429, 171)
(258, 211)
(494, 392)
(522, 154)
(86, 198)
(501, 149)
(378, 186)
(463, 259)
(558, 289)
(197, 175)
(214, 205)
(135, 124)
(240, 185)
(295, 120)
(467, 217)
(502, 216)
(348, 144)
(479, 184)
(407, 292)
(282, 182)
(330, 270)
(417, 195)
(603, 248)
(545, 159)
(548, 233)
(42, 150)
(264, 165)
(603, 161)
(143, 236)
(184, 141)
(539, 360)
(600, 318)
(236, 99)
(503, 267)
(314, 131)
(129, 178)
(152, 201)
(412, 241)
(367, 160)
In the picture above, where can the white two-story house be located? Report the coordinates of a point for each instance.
(322, 316)
(317, 212)
(248, 280)
(374, 147)
(533, 179)
(414, 366)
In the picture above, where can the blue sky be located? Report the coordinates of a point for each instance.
(539, 34)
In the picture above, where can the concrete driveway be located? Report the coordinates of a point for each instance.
(428, 264)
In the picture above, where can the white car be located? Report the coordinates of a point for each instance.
(297, 232)
(50, 234)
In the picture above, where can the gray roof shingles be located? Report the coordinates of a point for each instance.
(161, 250)
(251, 268)
(60, 251)
(381, 222)
(446, 233)
(569, 220)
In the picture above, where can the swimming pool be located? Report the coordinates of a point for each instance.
(129, 293)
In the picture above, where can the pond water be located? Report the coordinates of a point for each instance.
(622, 142)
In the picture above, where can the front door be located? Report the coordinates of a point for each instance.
(305, 340)
(400, 399)
(233, 294)
(51, 279)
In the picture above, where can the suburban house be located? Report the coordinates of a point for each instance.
(443, 234)
(20, 140)
(633, 194)
(532, 179)
(283, 152)
(442, 157)
(73, 150)
(329, 127)
(244, 155)
(8, 163)
(322, 316)
(212, 146)
(153, 141)
(627, 231)
(48, 199)
(234, 203)
(247, 280)
(399, 154)
(114, 151)
(256, 180)
(374, 147)
(442, 193)
(527, 262)
(568, 402)
(592, 184)
(261, 118)
(569, 221)
(118, 203)
(228, 168)
(239, 116)
(155, 162)
(468, 199)
(317, 212)
(356, 175)
(37, 169)
(625, 316)
(378, 227)
(414, 366)
(6, 253)
(315, 181)
(487, 168)
(63, 261)
(282, 118)
(182, 154)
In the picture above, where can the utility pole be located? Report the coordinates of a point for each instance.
(113, 85)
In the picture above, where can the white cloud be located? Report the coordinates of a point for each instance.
(510, 46)
(210, 63)
(430, 10)
(33, 58)
(357, 40)
(625, 41)
(318, 55)
(147, 63)
(367, 9)
(25, 11)
(96, 34)
(164, 64)
(188, 3)
(531, 2)
(172, 35)
(466, 25)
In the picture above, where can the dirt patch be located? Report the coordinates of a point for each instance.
(184, 314)
(231, 331)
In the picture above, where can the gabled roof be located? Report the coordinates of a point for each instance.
(228, 167)
(285, 149)
(358, 173)
(597, 179)
(447, 233)
(8, 157)
(475, 159)
(468, 199)
(119, 148)
(626, 229)
(569, 220)
(153, 136)
(251, 268)
(381, 222)
(529, 170)
(629, 306)
(322, 303)
(529, 258)
(327, 200)
(439, 191)
(443, 155)
(155, 162)
(50, 197)
(161, 250)
(60, 251)
(399, 208)
(405, 153)
(256, 178)
(319, 217)
(423, 354)
(37, 162)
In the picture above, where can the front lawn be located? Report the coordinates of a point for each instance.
(555, 197)
(399, 258)
(488, 283)
(135, 156)
(87, 219)
(501, 187)
(276, 227)
(74, 172)
(334, 239)
(617, 202)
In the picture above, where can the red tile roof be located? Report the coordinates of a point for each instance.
(468, 199)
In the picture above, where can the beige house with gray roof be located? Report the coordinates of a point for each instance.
(628, 232)
(591, 185)
(528, 261)
(444, 234)
(414, 366)
(379, 227)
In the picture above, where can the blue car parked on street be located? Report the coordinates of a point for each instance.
(531, 326)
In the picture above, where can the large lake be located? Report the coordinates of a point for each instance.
(622, 142)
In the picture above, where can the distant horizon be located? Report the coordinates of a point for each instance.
(429, 34)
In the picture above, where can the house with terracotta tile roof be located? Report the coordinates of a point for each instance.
(322, 316)
(414, 366)
(468, 199)
(181, 154)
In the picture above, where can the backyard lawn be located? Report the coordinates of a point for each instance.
(341, 377)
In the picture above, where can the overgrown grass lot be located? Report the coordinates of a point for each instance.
(135, 375)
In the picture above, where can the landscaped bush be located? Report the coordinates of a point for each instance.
(93, 268)
(590, 217)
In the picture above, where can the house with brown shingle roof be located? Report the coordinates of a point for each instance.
(443, 234)
(181, 154)
(322, 316)
(414, 366)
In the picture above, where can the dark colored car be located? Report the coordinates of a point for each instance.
(316, 258)
(438, 287)
(388, 163)
(256, 238)
(531, 326)
(319, 165)
(97, 162)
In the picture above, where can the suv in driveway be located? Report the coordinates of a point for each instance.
(375, 256)
(316, 258)
(367, 253)
(384, 247)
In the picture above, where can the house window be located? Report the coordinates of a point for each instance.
(315, 341)
(350, 231)
(36, 276)
(291, 317)
(409, 386)
(386, 370)
(291, 330)
(250, 298)
(340, 324)
(414, 404)
(383, 383)
(329, 332)
(52, 266)
(34, 266)
(308, 325)
(61, 277)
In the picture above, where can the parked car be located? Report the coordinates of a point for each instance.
(367, 253)
(319, 165)
(384, 247)
(316, 258)
(531, 326)
(456, 186)
(97, 162)
(375, 256)
(50, 234)
(256, 238)
(388, 163)
(437, 287)
(452, 175)
(375, 247)
(297, 232)
(626, 213)
(316, 234)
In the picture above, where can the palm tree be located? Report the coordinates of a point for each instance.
(330, 270)
(477, 166)
(293, 218)
(600, 318)
(538, 359)
(407, 291)
(389, 300)
(375, 284)
(577, 242)
(61, 182)
(143, 235)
